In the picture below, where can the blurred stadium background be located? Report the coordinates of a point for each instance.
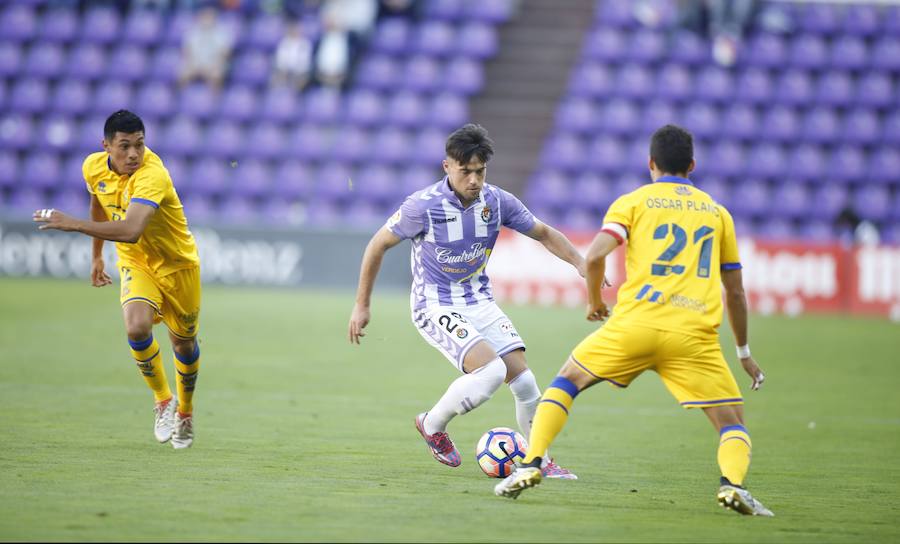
(797, 134)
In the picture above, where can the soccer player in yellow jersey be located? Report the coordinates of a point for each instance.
(134, 204)
(681, 244)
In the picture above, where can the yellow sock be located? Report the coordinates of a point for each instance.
(146, 355)
(187, 368)
(734, 453)
(550, 417)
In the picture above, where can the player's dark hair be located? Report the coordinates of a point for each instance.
(122, 121)
(672, 149)
(469, 141)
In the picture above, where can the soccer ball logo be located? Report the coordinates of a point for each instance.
(499, 450)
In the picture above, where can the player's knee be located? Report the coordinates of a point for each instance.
(186, 348)
(524, 387)
(138, 329)
(492, 374)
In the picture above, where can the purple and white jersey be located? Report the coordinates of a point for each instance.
(451, 245)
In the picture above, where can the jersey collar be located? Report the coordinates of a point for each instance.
(674, 179)
(448, 192)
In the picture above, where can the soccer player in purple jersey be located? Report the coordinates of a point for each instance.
(453, 225)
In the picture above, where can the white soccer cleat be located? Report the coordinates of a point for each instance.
(183, 436)
(515, 483)
(164, 424)
(740, 500)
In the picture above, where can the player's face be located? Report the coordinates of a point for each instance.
(126, 152)
(466, 180)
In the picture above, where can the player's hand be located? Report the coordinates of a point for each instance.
(597, 312)
(358, 321)
(754, 372)
(53, 219)
(99, 277)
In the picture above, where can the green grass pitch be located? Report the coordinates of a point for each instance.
(302, 437)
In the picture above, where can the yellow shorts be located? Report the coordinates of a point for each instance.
(693, 368)
(175, 297)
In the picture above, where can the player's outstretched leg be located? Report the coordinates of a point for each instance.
(521, 479)
(439, 443)
(187, 364)
(740, 500)
(146, 355)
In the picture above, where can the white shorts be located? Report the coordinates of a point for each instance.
(454, 330)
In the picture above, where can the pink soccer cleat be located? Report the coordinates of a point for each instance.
(552, 470)
(440, 444)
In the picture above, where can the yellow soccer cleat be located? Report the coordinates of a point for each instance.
(740, 500)
(522, 478)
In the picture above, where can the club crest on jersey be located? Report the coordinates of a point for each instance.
(486, 214)
(101, 186)
(395, 218)
(683, 190)
(461, 332)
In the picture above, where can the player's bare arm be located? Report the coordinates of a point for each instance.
(99, 277)
(736, 302)
(128, 230)
(382, 241)
(595, 274)
(557, 244)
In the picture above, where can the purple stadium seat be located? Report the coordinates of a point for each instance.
(351, 145)
(198, 101)
(861, 20)
(646, 46)
(143, 27)
(890, 128)
(591, 79)
(86, 62)
(477, 40)
(155, 99)
(251, 179)
(100, 25)
(890, 20)
(422, 74)
(830, 199)
(265, 31)
(765, 50)
(740, 121)
(794, 87)
(9, 169)
(10, 59)
(71, 97)
(198, 208)
(727, 159)
(429, 146)
(29, 96)
(886, 53)
(324, 214)
(209, 176)
(636, 81)
(238, 103)
(703, 120)
(688, 48)
(224, 139)
(166, 64)
(379, 72)
(820, 125)
(630, 182)
(464, 76)
(848, 53)
(181, 137)
(791, 199)
(620, 117)
(656, 114)
(549, 187)
(715, 187)
(434, 38)
(776, 228)
(872, 202)
(884, 165)
(449, 110)
(835, 89)
(407, 109)
(606, 154)
(364, 213)
(129, 63)
(576, 115)
(58, 26)
(444, 10)
(251, 68)
(111, 95)
(564, 151)
(309, 142)
(875, 90)
(76, 202)
(765, 160)
(807, 162)
(606, 44)
(334, 182)
(293, 180)
(390, 145)
(594, 191)
(754, 86)
(714, 84)
(364, 108)
(43, 169)
(44, 60)
(392, 36)
(820, 18)
(176, 26)
(18, 22)
(780, 124)
(674, 83)
(847, 163)
(808, 51)
(816, 230)
(237, 210)
(417, 177)
(269, 141)
(178, 171)
(493, 11)
(860, 126)
(617, 14)
(751, 197)
(57, 133)
(322, 104)
(377, 184)
(281, 105)
(90, 134)
(25, 200)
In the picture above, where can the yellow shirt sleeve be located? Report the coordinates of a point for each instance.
(85, 174)
(151, 187)
(622, 212)
(730, 259)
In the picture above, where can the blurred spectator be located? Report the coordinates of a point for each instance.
(346, 24)
(398, 8)
(853, 230)
(333, 57)
(293, 58)
(207, 46)
(356, 17)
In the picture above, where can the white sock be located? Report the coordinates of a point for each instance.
(525, 390)
(465, 394)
